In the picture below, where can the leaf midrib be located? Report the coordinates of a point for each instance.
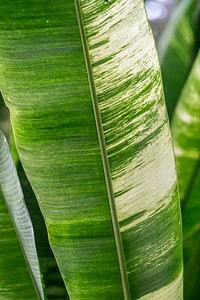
(102, 145)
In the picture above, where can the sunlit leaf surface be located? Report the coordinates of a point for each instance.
(83, 86)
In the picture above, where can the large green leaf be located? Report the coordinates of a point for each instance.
(186, 129)
(89, 119)
(15, 281)
(177, 49)
(53, 282)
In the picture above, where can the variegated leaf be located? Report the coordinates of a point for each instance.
(83, 85)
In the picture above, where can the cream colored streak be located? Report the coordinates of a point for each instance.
(153, 169)
(138, 125)
(130, 48)
(128, 42)
(170, 291)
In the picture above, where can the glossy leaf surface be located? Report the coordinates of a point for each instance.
(191, 227)
(14, 280)
(89, 119)
(186, 129)
(54, 286)
(177, 49)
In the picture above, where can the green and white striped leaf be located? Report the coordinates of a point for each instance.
(83, 85)
(11, 257)
(186, 129)
(177, 49)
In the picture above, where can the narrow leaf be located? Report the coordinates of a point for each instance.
(15, 281)
(177, 49)
(186, 129)
(191, 227)
(12, 193)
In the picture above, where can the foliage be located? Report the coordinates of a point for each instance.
(177, 49)
(89, 120)
(12, 193)
(180, 53)
(185, 129)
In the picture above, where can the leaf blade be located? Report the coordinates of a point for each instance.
(102, 144)
(185, 130)
(132, 100)
(178, 47)
(53, 121)
(13, 196)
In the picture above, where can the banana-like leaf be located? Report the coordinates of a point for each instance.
(186, 129)
(54, 286)
(83, 85)
(177, 49)
(14, 280)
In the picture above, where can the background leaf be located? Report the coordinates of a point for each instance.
(191, 227)
(15, 281)
(4, 118)
(185, 130)
(11, 192)
(177, 49)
